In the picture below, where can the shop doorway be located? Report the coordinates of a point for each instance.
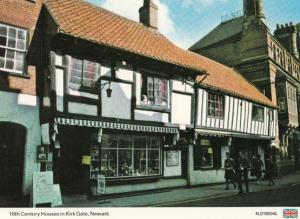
(73, 176)
(184, 163)
(12, 144)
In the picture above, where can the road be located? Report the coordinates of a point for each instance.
(285, 196)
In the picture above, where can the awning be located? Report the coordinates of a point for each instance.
(217, 133)
(115, 125)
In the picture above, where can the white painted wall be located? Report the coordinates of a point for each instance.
(124, 73)
(84, 109)
(151, 116)
(24, 109)
(183, 87)
(59, 87)
(172, 170)
(119, 104)
(181, 108)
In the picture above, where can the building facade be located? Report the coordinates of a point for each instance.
(270, 62)
(19, 112)
(116, 98)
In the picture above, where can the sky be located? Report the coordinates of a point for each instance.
(186, 21)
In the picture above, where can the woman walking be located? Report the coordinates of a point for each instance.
(270, 168)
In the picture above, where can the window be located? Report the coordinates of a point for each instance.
(12, 49)
(83, 73)
(258, 113)
(215, 105)
(128, 156)
(154, 91)
(281, 102)
(203, 157)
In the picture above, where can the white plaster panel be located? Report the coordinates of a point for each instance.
(119, 104)
(83, 94)
(138, 85)
(58, 60)
(181, 108)
(172, 170)
(105, 71)
(200, 105)
(151, 116)
(59, 87)
(182, 86)
(28, 116)
(124, 74)
(84, 109)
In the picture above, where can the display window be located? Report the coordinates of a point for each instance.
(130, 156)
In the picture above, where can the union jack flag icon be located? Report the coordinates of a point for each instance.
(290, 213)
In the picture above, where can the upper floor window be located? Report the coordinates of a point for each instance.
(215, 105)
(83, 73)
(258, 113)
(154, 91)
(12, 48)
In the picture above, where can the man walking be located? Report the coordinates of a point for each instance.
(242, 172)
(229, 171)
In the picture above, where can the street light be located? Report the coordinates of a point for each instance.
(108, 90)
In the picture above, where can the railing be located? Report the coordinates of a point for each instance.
(231, 16)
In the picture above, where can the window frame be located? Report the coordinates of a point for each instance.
(18, 73)
(263, 113)
(133, 149)
(215, 101)
(83, 87)
(154, 105)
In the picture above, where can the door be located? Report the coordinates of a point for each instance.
(12, 144)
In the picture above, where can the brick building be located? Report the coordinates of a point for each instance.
(270, 61)
(19, 111)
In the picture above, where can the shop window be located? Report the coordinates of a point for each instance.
(215, 105)
(82, 73)
(12, 49)
(257, 113)
(206, 155)
(125, 156)
(154, 91)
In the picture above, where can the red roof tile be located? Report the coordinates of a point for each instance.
(92, 23)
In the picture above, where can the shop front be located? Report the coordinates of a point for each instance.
(131, 157)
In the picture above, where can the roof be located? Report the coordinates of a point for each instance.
(222, 32)
(92, 23)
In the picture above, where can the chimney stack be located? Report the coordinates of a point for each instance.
(149, 14)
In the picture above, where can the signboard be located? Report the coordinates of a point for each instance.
(86, 160)
(172, 158)
(101, 185)
(205, 142)
(43, 190)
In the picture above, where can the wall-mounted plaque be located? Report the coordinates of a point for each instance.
(172, 158)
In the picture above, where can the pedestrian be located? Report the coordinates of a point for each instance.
(270, 168)
(242, 167)
(258, 168)
(229, 171)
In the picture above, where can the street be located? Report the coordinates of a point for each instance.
(285, 196)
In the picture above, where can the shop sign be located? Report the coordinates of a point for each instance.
(172, 158)
(205, 142)
(86, 160)
(43, 191)
(210, 150)
(101, 184)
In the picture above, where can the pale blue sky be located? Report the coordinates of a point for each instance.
(192, 19)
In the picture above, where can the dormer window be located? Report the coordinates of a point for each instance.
(12, 49)
(154, 91)
(257, 113)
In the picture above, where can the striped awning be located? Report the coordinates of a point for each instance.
(114, 125)
(217, 133)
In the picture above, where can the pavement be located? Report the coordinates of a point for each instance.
(159, 198)
(177, 195)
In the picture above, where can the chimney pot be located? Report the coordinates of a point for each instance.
(149, 14)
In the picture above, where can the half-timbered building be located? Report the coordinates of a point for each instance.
(121, 100)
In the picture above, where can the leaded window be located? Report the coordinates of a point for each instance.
(215, 105)
(257, 113)
(83, 73)
(154, 91)
(12, 48)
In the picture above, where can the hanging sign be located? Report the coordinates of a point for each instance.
(101, 185)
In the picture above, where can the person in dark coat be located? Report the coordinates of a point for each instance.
(270, 168)
(242, 167)
(229, 171)
(258, 168)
